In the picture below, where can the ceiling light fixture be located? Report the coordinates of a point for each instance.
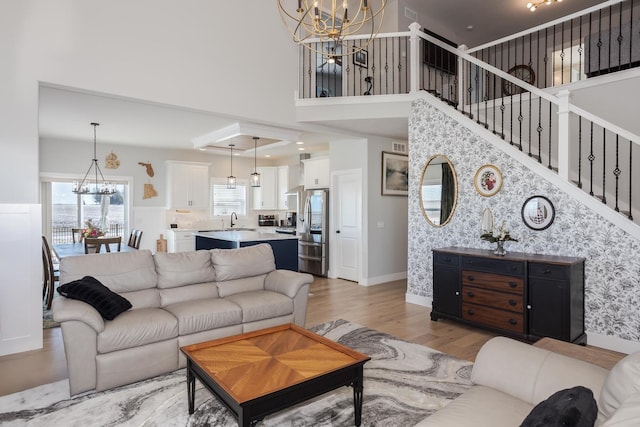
(255, 176)
(87, 186)
(231, 180)
(332, 21)
(532, 6)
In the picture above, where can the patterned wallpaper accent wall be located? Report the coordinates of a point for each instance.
(612, 268)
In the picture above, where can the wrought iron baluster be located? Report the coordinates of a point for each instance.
(580, 50)
(631, 144)
(616, 171)
(591, 158)
(502, 106)
(495, 64)
(579, 151)
(530, 94)
(561, 53)
(604, 166)
(599, 44)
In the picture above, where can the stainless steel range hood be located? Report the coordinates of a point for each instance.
(297, 187)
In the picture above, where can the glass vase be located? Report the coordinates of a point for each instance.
(500, 250)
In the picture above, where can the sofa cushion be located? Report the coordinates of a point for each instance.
(183, 268)
(230, 264)
(205, 314)
(119, 271)
(627, 414)
(571, 407)
(623, 381)
(137, 327)
(480, 406)
(259, 305)
(90, 290)
(246, 284)
(187, 293)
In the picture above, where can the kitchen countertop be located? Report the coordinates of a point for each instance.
(244, 236)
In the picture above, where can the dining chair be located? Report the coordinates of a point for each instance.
(93, 244)
(50, 273)
(77, 231)
(134, 238)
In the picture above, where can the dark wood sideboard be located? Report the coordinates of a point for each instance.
(526, 296)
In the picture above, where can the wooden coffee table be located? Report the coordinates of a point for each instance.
(258, 373)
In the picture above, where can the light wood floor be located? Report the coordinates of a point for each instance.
(380, 307)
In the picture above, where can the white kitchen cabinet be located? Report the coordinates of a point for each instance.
(188, 185)
(181, 241)
(283, 187)
(265, 197)
(316, 173)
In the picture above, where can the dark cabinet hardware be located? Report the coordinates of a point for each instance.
(470, 294)
(513, 322)
(512, 284)
(513, 302)
(471, 312)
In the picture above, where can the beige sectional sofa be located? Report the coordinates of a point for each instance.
(177, 299)
(510, 378)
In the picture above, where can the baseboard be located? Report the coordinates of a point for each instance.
(371, 281)
(416, 299)
(612, 343)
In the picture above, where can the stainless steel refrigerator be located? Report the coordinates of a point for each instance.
(313, 229)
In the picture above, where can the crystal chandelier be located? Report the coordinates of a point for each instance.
(231, 180)
(332, 21)
(532, 6)
(95, 185)
(255, 176)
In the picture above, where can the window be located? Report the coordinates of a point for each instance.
(568, 65)
(224, 201)
(431, 200)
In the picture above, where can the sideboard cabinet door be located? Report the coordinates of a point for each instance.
(446, 285)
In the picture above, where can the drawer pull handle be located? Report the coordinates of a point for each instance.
(513, 322)
(470, 278)
(471, 312)
(470, 294)
(547, 271)
(512, 284)
(513, 302)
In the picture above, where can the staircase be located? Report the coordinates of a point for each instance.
(496, 86)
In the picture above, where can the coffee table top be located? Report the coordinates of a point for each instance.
(255, 364)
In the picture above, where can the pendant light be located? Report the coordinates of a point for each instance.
(255, 176)
(231, 180)
(95, 186)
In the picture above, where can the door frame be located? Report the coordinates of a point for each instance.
(333, 197)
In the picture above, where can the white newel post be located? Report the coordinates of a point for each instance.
(461, 81)
(415, 57)
(563, 134)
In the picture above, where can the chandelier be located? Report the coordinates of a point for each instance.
(90, 184)
(332, 21)
(532, 6)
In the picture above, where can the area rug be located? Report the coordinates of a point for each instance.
(403, 384)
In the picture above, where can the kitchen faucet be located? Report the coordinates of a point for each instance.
(232, 215)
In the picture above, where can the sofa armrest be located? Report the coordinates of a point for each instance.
(67, 309)
(530, 373)
(287, 282)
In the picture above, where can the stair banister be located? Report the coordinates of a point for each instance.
(547, 25)
(563, 134)
(605, 124)
(414, 75)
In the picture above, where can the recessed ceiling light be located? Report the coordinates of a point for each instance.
(267, 155)
(202, 149)
(470, 28)
(300, 148)
(300, 143)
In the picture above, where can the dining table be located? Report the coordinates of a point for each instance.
(63, 250)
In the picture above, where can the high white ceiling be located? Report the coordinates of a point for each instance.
(67, 114)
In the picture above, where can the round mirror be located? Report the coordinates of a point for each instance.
(438, 190)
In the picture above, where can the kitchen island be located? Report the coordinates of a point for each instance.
(285, 246)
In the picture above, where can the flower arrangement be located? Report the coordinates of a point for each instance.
(91, 230)
(500, 235)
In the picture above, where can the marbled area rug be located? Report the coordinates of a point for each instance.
(404, 383)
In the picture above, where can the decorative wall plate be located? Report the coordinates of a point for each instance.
(538, 212)
(488, 180)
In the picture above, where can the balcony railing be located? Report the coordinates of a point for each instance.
(582, 148)
(62, 234)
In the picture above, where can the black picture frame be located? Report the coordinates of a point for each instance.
(361, 58)
(538, 212)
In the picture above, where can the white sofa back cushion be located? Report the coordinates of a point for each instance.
(188, 293)
(119, 271)
(231, 264)
(245, 284)
(183, 268)
(623, 381)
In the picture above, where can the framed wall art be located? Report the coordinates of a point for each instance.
(361, 58)
(395, 174)
(538, 212)
(488, 180)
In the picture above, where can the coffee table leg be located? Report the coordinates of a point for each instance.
(357, 397)
(191, 387)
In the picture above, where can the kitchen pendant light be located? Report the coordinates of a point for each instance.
(255, 176)
(231, 180)
(95, 186)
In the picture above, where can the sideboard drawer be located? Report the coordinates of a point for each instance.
(493, 281)
(494, 265)
(549, 271)
(443, 258)
(494, 317)
(495, 299)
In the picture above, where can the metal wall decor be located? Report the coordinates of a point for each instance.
(538, 212)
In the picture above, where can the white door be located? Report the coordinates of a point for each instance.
(347, 213)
